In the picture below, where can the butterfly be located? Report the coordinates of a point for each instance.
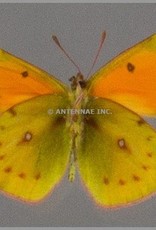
(96, 125)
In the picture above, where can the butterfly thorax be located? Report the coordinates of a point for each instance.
(78, 95)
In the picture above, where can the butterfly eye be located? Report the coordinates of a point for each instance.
(77, 80)
(82, 84)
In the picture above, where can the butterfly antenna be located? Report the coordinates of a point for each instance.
(55, 39)
(103, 36)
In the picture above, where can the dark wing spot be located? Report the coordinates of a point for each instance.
(0, 143)
(22, 175)
(149, 138)
(106, 180)
(24, 74)
(37, 176)
(2, 157)
(149, 155)
(91, 122)
(2, 127)
(130, 67)
(8, 169)
(58, 121)
(140, 122)
(122, 182)
(145, 167)
(136, 178)
(12, 111)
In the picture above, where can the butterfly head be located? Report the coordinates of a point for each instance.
(77, 80)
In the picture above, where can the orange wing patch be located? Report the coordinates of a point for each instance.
(130, 79)
(20, 81)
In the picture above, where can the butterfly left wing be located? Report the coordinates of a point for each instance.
(20, 81)
(129, 79)
(35, 145)
(116, 154)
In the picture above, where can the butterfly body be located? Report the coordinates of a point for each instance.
(96, 125)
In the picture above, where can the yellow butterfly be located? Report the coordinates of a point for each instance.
(46, 127)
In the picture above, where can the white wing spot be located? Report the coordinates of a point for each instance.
(28, 136)
(121, 143)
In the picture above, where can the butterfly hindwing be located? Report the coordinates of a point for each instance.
(35, 145)
(117, 154)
